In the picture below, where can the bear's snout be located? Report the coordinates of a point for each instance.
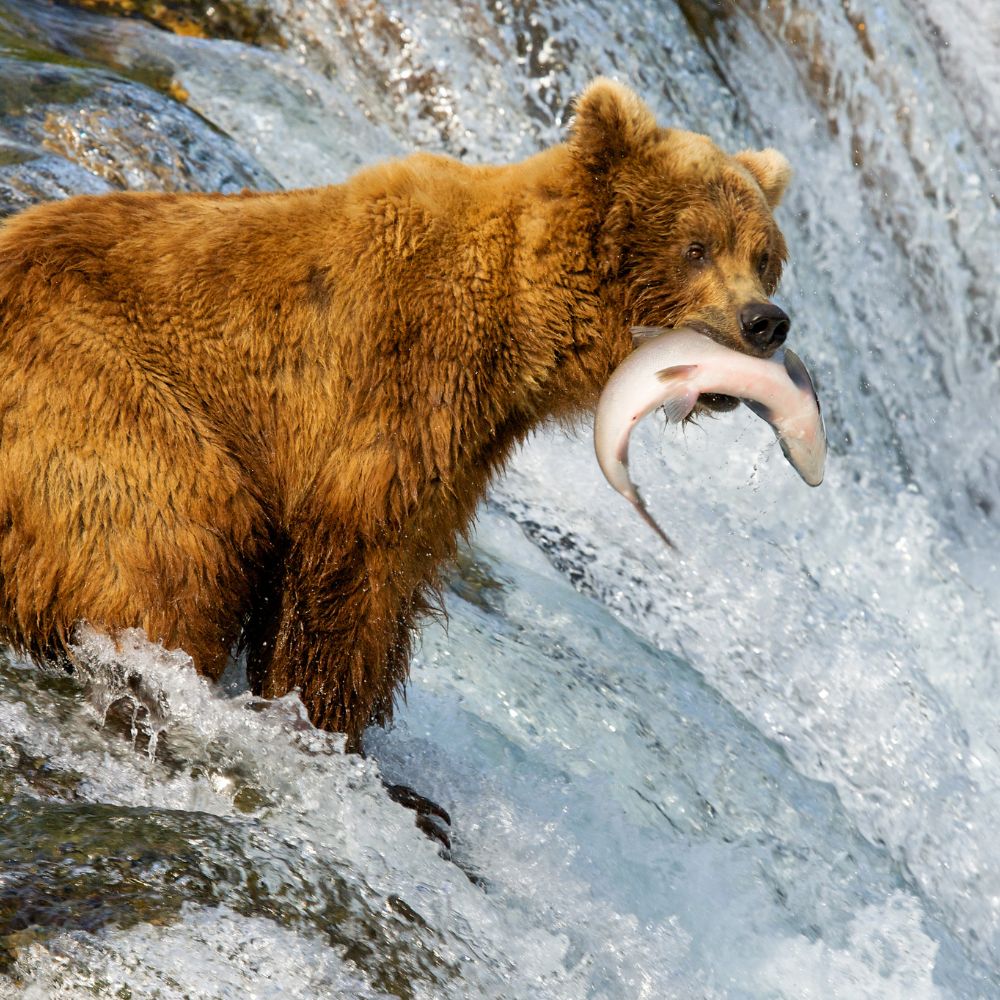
(764, 325)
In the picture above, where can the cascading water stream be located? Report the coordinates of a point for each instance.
(761, 768)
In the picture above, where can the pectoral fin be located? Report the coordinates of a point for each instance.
(680, 400)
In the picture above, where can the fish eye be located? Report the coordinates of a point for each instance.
(695, 252)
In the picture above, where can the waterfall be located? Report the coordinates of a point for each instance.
(760, 767)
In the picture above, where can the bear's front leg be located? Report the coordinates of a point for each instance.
(335, 622)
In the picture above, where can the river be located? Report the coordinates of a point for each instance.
(764, 767)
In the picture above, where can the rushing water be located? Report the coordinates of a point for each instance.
(765, 767)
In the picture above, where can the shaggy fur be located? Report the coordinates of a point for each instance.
(266, 418)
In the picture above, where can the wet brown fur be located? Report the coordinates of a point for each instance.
(265, 419)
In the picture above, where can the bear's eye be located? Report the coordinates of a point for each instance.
(696, 251)
(763, 263)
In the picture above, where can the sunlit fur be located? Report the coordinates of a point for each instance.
(265, 419)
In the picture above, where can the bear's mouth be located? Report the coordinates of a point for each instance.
(715, 402)
(712, 402)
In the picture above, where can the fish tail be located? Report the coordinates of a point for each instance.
(640, 506)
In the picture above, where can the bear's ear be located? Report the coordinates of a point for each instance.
(770, 170)
(611, 124)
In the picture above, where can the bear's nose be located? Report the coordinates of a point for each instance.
(763, 325)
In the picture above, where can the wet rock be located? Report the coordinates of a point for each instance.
(243, 21)
(27, 177)
(37, 31)
(67, 130)
(304, 127)
(477, 580)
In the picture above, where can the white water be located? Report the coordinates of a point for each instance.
(764, 768)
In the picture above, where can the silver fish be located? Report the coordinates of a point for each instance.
(672, 368)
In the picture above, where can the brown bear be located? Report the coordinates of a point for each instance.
(265, 419)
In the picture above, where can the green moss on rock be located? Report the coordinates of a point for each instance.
(231, 19)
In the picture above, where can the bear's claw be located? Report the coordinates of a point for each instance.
(430, 816)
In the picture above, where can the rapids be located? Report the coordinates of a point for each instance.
(764, 767)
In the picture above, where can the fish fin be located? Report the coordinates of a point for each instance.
(762, 411)
(640, 506)
(799, 374)
(640, 334)
(675, 410)
(677, 407)
(800, 465)
(668, 375)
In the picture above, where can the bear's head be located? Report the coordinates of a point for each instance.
(686, 233)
